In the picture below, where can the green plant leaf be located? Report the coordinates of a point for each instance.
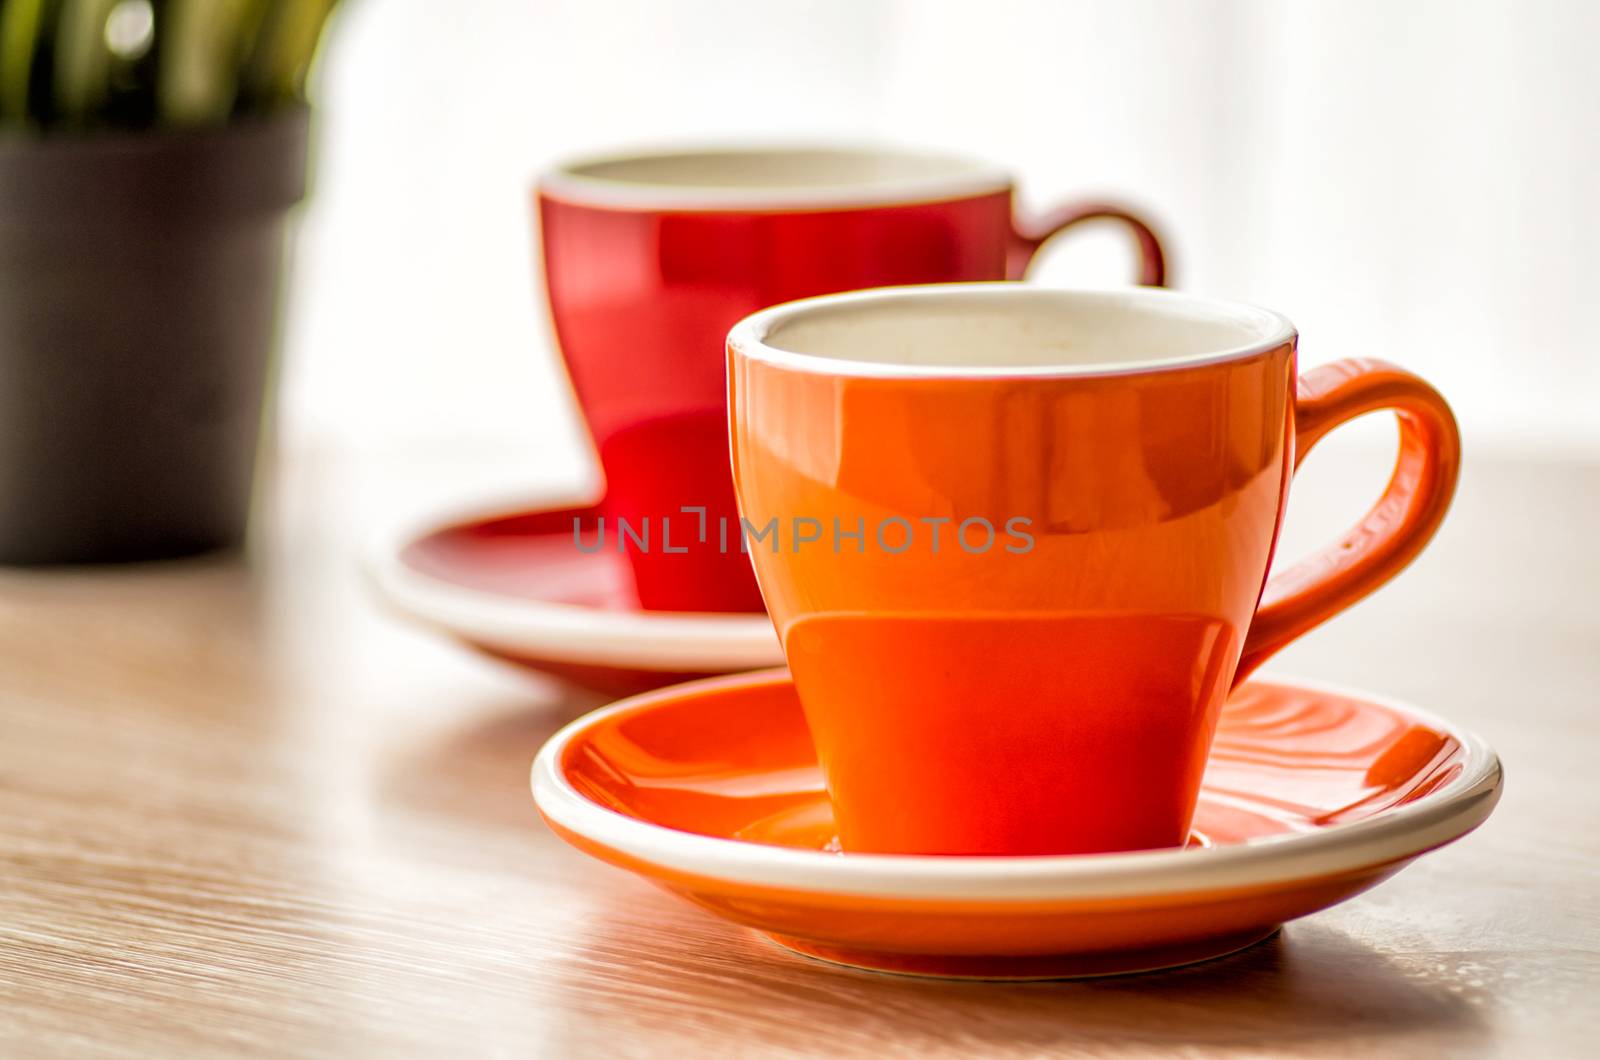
(21, 23)
(83, 60)
(202, 46)
(207, 59)
(277, 67)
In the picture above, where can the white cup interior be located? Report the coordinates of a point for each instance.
(774, 177)
(1006, 329)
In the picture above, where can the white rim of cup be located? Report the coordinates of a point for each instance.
(1396, 834)
(963, 177)
(748, 338)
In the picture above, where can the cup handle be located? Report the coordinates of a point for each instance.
(1398, 526)
(1028, 236)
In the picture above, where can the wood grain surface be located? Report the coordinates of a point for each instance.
(245, 812)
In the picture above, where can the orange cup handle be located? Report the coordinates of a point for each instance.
(1028, 236)
(1398, 526)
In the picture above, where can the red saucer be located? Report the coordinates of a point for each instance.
(510, 582)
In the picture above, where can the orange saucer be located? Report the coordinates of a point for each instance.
(1312, 796)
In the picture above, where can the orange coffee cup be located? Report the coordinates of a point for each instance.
(1015, 543)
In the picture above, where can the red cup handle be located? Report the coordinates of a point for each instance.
(1397, 528)
(1028, 236)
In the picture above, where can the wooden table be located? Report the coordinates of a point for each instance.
(245, 812)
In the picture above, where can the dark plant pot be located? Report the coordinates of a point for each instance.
(140, 279)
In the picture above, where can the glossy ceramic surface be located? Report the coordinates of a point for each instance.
(511, 582)
(993, 692)
(1311, 796)
(644, 280)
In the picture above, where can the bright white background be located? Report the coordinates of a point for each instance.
(1411, 180)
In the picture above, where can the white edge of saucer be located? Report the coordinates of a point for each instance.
(642, 640)
(1394, 835)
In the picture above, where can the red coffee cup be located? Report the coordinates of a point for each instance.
(650, 258)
